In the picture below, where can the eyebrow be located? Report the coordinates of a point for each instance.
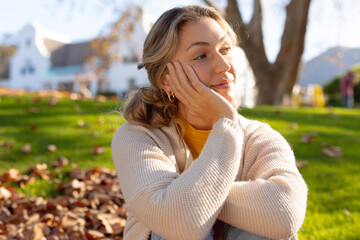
(204, 43)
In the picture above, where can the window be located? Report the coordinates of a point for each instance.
(27, 68)
(28, 42)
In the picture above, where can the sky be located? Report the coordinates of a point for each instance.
(331, 22)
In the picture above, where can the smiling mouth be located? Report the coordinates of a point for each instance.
(223, 85)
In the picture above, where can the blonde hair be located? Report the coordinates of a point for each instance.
(149, 106)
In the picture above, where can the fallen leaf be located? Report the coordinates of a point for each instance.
(52, 102)
(98, 150)
(300, 164)
(12, 175)
(33, 127)
(4, 194)
(26, 148)
(101, 121)
(81, 123)
(335, 116)
(332, 151)
(293, 125)
(6, 144)
(60, 162)
(33, 110)
(306, 138)
(76, 108)
(52, 148)
(346, 212)
(94, 235)
(277, 112)
(36, 99)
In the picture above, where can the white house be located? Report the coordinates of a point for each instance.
(31, 61)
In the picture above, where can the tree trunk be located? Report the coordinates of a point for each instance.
(273, 80)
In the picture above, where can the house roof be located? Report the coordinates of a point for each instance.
(51, 44)
(71, 54)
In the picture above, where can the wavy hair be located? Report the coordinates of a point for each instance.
(149, 106)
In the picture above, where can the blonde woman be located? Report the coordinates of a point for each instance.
(189, 166)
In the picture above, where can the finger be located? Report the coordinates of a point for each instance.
(175, 84)
(194, 80)
(185, 83)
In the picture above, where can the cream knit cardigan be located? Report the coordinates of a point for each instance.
(245, 176)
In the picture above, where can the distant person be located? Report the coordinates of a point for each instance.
(347, 89)
(189, 166)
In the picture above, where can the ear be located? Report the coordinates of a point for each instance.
(165, 83)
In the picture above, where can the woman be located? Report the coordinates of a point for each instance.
(189, 166)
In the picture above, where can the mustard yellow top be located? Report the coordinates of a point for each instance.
(195, 139)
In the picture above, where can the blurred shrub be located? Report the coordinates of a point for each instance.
(332, 89)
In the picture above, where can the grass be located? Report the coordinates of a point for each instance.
(333, 210)
(56, 125)
(333, 204)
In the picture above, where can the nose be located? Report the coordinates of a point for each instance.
(221, 64)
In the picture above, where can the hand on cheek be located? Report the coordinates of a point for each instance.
(197, 98)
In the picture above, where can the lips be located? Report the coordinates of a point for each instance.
(223, 84)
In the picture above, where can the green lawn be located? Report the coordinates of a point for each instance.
(334, 182)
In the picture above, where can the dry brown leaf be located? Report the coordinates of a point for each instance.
(4, 193)
(98, 150)
(10, 230)
(34, 218)
(306, 138)
(52, 102)
(36, 99)
(81, 123)
(26, 149)
(13, 175)
(277, 112)
(66, 216)
(76, 108)
(7, 144)
(33, 110)
(335, 116)
(94, 235)
(300, 164)
(101, 121)
(332, 151)
(293, 125)
(346, 212)
(52, 148)
(33, 127)
(60, 162)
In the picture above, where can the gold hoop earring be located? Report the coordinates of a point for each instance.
(171, 97)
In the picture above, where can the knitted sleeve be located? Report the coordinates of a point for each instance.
(172, 205)
(270, 198)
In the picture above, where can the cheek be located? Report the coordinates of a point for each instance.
(203, 73)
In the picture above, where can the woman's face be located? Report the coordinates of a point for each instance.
(207, 48)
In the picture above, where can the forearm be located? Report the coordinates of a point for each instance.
(274, 208)
(183, 206)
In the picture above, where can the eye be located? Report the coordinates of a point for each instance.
(199, 57)
(225, 50)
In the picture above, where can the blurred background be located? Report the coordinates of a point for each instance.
(93, 47)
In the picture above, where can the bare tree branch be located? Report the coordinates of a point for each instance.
(210, 3)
